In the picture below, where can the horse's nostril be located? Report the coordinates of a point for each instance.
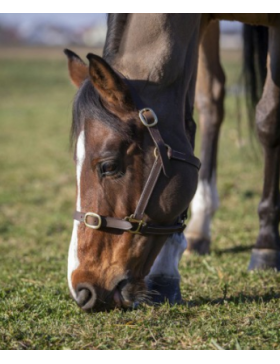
(86, 296)
(122, 284)
(83, 297)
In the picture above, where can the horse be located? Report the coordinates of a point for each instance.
(210, 95)
(133, 132)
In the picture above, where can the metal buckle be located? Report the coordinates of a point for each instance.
(131, 219)
(143, 119)
(96, 227)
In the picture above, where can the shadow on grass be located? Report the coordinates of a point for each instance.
(236, 300)
(235, 249)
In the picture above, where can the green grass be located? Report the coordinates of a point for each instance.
(227, 307)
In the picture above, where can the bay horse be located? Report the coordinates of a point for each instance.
(133, 132)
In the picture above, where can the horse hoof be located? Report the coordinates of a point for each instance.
(162, 289)
(264, 259)
(199, 246)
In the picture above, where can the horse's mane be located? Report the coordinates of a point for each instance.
(116, 24)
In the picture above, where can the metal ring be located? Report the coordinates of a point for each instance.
(98, 225)
(143, 119)
(156, 150)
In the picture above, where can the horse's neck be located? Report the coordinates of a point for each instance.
(159, 53)
(153, 47)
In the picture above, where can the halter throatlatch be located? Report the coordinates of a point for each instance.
(135, 223)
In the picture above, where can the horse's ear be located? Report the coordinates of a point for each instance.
(113, 91)
(78, 70)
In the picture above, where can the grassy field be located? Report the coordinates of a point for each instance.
(226, 306)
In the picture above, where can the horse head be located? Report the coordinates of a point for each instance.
(132, 189)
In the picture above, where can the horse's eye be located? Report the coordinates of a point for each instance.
(109, 168)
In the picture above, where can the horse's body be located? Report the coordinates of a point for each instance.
(156, 59)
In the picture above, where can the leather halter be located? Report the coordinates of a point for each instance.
(134, 223)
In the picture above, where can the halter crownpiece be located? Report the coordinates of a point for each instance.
(135, 223)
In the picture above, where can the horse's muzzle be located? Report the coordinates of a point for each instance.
(90, 298)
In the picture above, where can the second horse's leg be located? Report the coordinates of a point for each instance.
(210, 93)
(266, 252)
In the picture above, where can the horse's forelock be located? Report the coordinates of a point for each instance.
(87, 106)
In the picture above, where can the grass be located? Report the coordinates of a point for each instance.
(227, 307)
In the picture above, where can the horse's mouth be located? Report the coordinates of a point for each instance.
(118, 298)
(124, 296)
(120, 301)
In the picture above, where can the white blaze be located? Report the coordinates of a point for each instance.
(73, 260)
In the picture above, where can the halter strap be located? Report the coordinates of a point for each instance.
(148, 189)
(99, 222)
(149, 119)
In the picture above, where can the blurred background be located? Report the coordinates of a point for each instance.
(53, 29)
(74, 29)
